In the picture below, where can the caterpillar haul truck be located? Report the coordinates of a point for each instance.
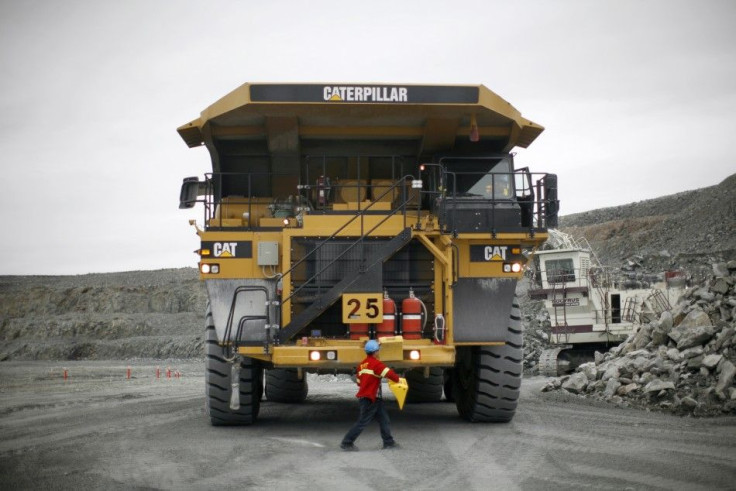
(338, 213)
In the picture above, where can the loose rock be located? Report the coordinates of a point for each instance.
(685, 362)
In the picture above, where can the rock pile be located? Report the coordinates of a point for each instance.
(684, 363)
(536, 324)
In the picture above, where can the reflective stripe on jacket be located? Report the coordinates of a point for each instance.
(370, 372)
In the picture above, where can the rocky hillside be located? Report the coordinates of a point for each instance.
(141, 314)
(689, 230)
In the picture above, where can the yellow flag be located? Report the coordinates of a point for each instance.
(399, 389)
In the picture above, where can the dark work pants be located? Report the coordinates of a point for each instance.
(368, 411)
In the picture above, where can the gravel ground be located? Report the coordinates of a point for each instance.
(100, 430)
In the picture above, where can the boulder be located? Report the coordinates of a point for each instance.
(720, 286)
(646, 378)
(723, 338)
(658, 385)
(720, 269)
(674, 355)
(695, 318)
(611, 372)
(712, 361)
(590, 371)
(689, 402)
(551, 385)
(695, 337)
(611, 387)
(665, 321)
(598, 357)
(687, 337)
(691, 352)
(576, 383)
(695, 362)
(659, 336)
(642, 337)
(705, 295)
(725, 379)
(625, 390)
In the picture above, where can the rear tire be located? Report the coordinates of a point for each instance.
(218, 385)
(487, 379)
(424, 389)
(283, 385)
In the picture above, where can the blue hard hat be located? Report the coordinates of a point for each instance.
(372, 346)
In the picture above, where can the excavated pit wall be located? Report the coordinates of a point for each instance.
(140, 314)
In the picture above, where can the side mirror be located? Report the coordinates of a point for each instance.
(189, 192)
(551, 203)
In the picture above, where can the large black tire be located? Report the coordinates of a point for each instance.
(424, 389)
(218, 385)
(283, 385)
(487, 379)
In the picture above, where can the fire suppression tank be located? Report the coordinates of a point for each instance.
(388, 326)
(411, 316)
(359, 331)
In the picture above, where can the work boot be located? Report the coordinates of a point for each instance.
(348, 447)
(390, 445)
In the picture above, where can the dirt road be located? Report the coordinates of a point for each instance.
(101, 430)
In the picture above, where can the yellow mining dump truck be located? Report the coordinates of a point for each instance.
(338, 213)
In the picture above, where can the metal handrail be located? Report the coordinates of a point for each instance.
(522, 193)
(360, 214)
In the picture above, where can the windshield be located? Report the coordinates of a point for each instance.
(488, 179)
(560, 271)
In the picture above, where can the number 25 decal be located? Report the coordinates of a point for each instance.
(362, 308)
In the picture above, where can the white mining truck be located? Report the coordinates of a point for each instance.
(338, 213)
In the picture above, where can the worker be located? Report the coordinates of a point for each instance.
(370, 373)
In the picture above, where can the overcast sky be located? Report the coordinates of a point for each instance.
(638, 99)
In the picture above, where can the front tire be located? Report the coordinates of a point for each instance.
(487, 379)
(218, 384)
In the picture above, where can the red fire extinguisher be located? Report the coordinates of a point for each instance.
(411, 317)
(359, 331)
(388, 326)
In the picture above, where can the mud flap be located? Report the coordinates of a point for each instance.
(235, 383)
(481, 309)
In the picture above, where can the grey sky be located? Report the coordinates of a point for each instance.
(638, 99)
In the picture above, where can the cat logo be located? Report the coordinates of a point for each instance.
(228, 250)
(224, 249)
(495, 253)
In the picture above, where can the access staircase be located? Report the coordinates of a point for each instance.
(368, 271)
